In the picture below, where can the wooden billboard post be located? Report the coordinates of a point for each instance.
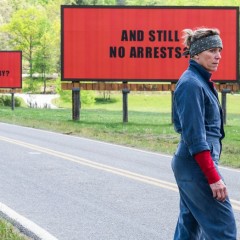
(12, 99)
(224, 103)
(76, 104)
(125, 92)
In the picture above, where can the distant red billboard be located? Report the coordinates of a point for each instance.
(140, 43)
(10, 69)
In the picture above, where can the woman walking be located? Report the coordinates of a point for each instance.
(205, 210)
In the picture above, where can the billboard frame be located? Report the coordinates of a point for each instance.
(160, 80)
(19, 83)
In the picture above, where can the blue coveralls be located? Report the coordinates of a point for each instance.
(198, 118)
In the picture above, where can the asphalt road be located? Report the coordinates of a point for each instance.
(80, 189)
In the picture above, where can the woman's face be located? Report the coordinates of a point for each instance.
(209, 59)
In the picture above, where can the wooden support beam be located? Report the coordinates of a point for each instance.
(107, 86)
(11, 90)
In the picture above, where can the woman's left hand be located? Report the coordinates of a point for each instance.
(219, 190)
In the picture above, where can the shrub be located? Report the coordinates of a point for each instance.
(6, 100)
(87, 97)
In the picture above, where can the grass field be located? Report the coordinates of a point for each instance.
(149, 123)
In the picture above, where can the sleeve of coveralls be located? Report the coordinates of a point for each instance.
(206, 164)
(189, 100)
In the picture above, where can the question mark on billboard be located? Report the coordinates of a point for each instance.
(4, 73)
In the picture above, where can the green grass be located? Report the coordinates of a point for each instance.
(149, 123)
(8, 232)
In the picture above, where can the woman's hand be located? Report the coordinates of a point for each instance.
(219, 190)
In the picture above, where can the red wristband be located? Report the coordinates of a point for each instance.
(206, 164)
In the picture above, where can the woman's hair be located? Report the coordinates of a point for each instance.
(190, 36)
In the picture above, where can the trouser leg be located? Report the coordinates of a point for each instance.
(215, 218)
(187, 227)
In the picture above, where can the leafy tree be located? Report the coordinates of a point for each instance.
(45, 60)
(41, 2)
(49, 2)
(184, 2)
(94, 2)
(6, 10)
(120, 2)
(146, 2)
(26, 28)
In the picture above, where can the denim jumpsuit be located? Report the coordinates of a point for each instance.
(198, 120)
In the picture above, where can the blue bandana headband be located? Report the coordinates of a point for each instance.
(203, 44)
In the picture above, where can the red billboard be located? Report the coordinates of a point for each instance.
(140, 43)
(10, 69)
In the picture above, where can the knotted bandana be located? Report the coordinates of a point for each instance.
(202, 44)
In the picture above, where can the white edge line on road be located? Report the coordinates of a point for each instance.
(25, 226)
(112, 144)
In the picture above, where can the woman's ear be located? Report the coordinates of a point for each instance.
(196, 57)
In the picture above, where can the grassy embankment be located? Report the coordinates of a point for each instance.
(8, 232)
(149, 126)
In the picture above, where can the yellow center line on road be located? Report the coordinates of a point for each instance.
(103, 167)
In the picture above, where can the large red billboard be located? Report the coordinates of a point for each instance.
(140, 43)
(10, 69)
